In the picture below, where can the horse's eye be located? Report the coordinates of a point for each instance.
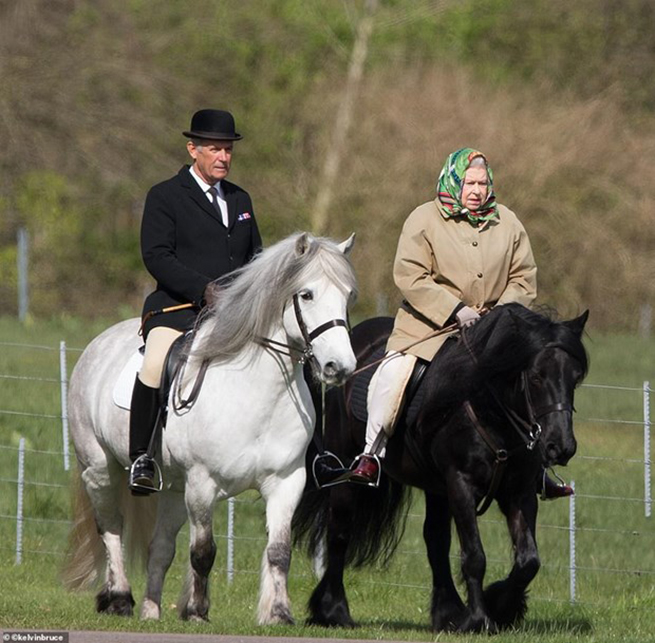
(535, 379)
(307, 295)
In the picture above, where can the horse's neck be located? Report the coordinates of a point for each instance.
(258, 357)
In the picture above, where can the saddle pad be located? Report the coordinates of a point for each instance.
(414, 390)
(122, 394)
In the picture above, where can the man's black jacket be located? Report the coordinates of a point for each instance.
(185, 245)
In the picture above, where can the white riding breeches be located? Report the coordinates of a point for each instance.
(157, 345)
(385, 396)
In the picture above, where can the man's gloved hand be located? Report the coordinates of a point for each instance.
(466, 317)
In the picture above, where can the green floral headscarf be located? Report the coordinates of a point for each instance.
(451, 181)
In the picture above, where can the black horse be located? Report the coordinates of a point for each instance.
(495, 407)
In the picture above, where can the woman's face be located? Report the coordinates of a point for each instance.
(475, 188)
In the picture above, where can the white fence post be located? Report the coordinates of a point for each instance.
(647, 491)
(572, 568)
(23, 269)
(19, 501)
(230, 540)
(63, 380)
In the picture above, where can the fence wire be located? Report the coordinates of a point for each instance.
(60, 484)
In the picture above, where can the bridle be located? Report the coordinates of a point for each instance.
(300, 355)
(304, 355)
(528, 430)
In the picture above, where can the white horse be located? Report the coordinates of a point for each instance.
(249, 427)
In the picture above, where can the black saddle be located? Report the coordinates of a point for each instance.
(414, 391)
(175, 359)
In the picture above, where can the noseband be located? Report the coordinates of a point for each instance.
(306, 354)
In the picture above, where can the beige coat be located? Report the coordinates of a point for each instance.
(441, 262)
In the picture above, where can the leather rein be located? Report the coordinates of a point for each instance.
(300, 355)
(529, 431)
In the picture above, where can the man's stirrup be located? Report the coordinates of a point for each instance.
(143, 489)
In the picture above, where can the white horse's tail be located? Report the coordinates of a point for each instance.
(86, 556)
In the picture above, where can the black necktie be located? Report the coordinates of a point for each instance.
(214, 192)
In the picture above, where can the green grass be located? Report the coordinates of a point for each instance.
(616, 567)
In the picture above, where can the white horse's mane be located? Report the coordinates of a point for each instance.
(252, 303)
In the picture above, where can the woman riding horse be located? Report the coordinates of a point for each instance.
(458, 256)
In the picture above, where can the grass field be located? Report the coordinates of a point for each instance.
(615, 593)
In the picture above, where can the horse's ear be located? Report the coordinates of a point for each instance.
(577, 325)
(302, 243)
(347, 245)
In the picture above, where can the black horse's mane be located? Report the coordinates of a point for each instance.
(498, 348)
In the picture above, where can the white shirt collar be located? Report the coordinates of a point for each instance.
(204, 186)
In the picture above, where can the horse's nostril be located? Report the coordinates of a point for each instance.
(330, 368)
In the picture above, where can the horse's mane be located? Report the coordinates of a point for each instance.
(497, 348)
(251, 304)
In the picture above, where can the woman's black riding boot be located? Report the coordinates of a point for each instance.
(143, 416)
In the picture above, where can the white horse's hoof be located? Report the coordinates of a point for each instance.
(278, 616)
(150, 610)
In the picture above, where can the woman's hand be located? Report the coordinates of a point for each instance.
(466, 316)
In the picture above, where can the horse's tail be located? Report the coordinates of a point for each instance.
(85, 556)
(381, 513)
(381, 516)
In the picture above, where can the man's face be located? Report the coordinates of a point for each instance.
(475, 188)
(212, 159)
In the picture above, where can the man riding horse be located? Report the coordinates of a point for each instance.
(196, 228)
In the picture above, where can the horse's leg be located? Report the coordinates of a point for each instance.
(328, 605)
(171, 515)
(282, 497)
(473, 559)
(506, 600)
(200, 496)
(448, 610)
(102, 485)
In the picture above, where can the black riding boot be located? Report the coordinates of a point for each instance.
(143, 416)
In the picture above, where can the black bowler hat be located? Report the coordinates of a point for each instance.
(214, 124)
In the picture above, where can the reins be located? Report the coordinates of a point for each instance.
(435, 333)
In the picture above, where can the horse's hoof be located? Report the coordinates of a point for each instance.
(479, 624)
(344, 621)
(196, 618)
(150, 611)
(115, 603)
(279, 615)
(194, 615)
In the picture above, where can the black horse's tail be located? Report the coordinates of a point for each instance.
(379, 515)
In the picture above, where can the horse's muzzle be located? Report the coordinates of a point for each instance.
(334, 374)
(560, 453)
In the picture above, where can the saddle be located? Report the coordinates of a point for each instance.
(414, 391)
(175, 360)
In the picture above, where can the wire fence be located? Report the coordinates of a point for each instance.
(40, 486)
